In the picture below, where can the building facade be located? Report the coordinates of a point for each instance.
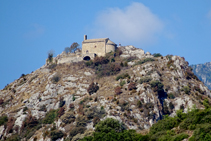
(96, 47)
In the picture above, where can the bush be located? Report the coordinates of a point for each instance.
(71, 106)
(3, 120)
(118, 52)
(76, 130)
(43, 108)
(10, 124)
(144, 61)
(157, 55)
(31, 121)
(50, 55)
(95, 112)
(118, 90)
(81, 121)
(163, 125)
(56, 78)
(170, 63)
(157, 85)
(56, 135)
(50, 117)
(139, 104)
(189, 74)
(109, 124)
(145, 80)
(132, 86)
(95, 120)
(1, 101)
(61, 112)
(93, 88)
(74, 47)
(107, 69)
(186, 89)
(68, 117)
(171, 96)
(122, 83)
(100, 60)
(122, 76)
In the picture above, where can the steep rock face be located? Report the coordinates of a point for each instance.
(143, 91)
(203, 72)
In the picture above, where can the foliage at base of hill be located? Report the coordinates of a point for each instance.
(197, 121)
(111, 130)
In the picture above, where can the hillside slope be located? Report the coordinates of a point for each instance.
(68, 98)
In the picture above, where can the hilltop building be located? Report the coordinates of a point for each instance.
(96, 47)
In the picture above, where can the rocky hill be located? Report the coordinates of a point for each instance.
(203, 72)
(67, 97)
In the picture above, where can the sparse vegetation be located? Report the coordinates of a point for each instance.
(145, 60)
(56, 78)
(132, 86)
(145, 80)
(93, 88)
(122, 76)
(50, 117)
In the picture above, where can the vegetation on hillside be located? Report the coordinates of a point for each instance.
(195, 125)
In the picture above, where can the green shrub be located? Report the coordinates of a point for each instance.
(145, 60)
(145, 80)
(50, 117)
(122, 76)
(157, 55)
(186, 89)
(56, 135)
(164, 125)
(76, 130)
(95, 112)
(202, 133)
(122, 83)
(157, 85)
(171, 96)
(139, 104)
(3, 120)
(56, 78)
(89, 63)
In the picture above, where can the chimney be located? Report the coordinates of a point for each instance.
(85, 37)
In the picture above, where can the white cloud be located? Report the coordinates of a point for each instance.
(135, 23)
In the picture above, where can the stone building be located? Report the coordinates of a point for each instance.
(96, 47)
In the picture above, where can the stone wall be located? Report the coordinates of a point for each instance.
(94, 47)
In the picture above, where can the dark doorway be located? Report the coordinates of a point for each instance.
(87, 58)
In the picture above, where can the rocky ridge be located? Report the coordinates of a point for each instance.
(203, 72)
(153, 87)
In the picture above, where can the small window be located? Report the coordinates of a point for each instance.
(95, 46)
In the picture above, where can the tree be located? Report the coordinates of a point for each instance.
(50, 55)
(67, 49)
(74, 47)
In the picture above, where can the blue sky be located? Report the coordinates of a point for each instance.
(29, 29)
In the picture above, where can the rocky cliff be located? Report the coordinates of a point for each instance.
(203, 72)
(70, 97)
